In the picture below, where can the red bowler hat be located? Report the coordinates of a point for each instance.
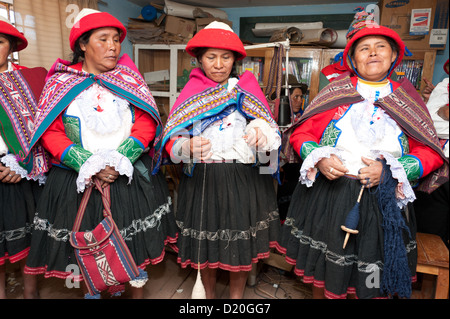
(217, 35)
(375, 30)
(89, 19)
(7, 28)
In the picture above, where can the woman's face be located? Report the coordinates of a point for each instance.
(373, 57)
(217, 64)
(102, 51)
(296, 100)
(5, 50)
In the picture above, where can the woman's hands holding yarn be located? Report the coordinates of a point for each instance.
(370, 175)
(198, 148)
(255, 138)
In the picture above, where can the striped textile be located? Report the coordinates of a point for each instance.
(64, 84)
(203, 98)
(19, 93)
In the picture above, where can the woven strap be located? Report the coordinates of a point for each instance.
(275, 71)
(106, 199)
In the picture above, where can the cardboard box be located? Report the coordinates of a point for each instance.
(422, 25)
(203, 22)
(180, 26)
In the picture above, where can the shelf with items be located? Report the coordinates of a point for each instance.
(166, 70)
(256, 62)
(417, 67)
(328, 56)
(304, 63)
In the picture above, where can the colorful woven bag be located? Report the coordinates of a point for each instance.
(102, 255)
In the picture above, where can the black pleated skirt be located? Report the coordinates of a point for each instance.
(18, 205)
(142, 211)
(227, 217)
(312, 238)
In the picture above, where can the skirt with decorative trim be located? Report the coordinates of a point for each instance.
(142, 211)
(18, 205)
(227, 217)
(312, 238)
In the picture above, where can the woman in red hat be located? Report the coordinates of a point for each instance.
(19, 91)
(363, 140)
(98, 120)
(221, 129)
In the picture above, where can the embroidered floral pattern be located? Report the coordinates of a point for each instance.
(307, 148)
(330, 135)
(131, 149)
(72, 128)
(75, 157)
(404, 142)
(411, 166)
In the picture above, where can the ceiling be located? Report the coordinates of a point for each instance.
(247, 3)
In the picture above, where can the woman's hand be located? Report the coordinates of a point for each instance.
(8, 176)
(198, 148)
(107, 175)
(332, 167)
(370, 175)
(255, 138)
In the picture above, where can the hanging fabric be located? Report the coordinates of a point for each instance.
(275, 75)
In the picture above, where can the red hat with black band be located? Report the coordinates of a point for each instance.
(7, 28)
(89, 19)
(217, 35)
(380, 31)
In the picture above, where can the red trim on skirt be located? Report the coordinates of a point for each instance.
(15, 258)
(63, 274)
(227, 267)
(321, 283)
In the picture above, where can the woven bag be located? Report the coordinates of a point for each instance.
(102, 255)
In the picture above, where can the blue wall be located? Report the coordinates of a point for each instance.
(124, 10)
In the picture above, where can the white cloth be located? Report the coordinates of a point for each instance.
(439, 98)
(105, 119)
(105, 122)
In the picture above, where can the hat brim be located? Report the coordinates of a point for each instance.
(216, 38)
(10, 30)
(95, 21)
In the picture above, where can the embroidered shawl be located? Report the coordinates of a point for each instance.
(202, 99)
(404, 105)
(64, 84)
(19, 93)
